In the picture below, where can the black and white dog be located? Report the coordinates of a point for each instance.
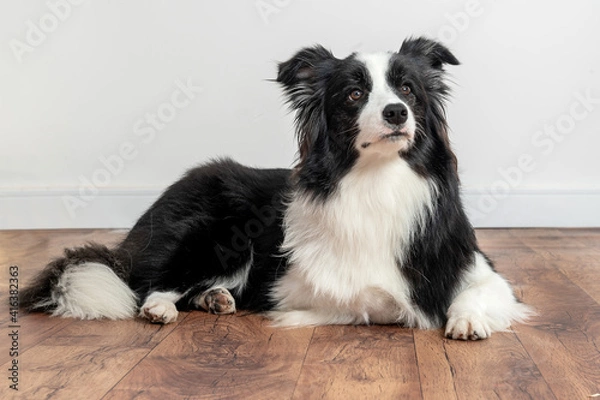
(367, 228)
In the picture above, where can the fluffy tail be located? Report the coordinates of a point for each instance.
(87, 282)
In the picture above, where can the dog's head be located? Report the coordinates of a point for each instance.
(368, 105)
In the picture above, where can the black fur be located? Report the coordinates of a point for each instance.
(207, 224)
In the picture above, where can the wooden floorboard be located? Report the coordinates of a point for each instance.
(352, 362)
(564, 339)
(555, 356)
(219, 357)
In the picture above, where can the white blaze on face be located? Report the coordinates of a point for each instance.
(374, 130)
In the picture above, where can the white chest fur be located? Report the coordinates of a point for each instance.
(344, 251)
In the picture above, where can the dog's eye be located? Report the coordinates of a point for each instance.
(405, 90)
(355, 95)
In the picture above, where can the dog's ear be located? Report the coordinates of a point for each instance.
(435, 55)
(303, 78)
(302, 70)
(434, 52)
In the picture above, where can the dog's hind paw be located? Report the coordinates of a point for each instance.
(217, 301)
(467, 328)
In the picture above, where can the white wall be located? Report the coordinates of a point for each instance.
(83, 91)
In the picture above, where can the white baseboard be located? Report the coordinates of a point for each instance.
(47, 209)
(525, 208)
(55, 209)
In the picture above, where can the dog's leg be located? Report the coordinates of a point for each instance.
(484, 304)
(216, 300)
(159, 307)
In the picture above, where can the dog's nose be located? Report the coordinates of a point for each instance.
(395, 114)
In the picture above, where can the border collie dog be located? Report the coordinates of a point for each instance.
(367, 228)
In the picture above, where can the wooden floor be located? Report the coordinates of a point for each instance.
(556, 355)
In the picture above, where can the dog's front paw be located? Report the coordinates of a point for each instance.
(467, 327)
(159, 311)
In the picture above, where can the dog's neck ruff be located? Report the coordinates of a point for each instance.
(358, 236)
